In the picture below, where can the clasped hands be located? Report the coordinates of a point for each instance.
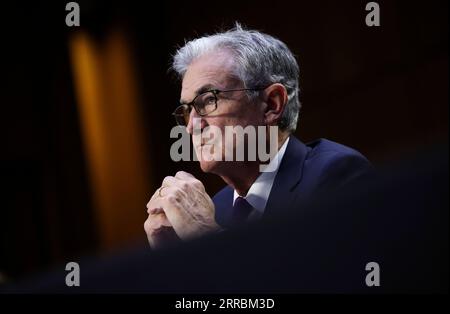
(179, 210)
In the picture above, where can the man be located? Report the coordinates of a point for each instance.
(249, 79)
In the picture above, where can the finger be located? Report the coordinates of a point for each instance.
(161, 220)
(158, 194)
(174, 205)
(159, 230)
(184, 175)
(184, 184)
(156, 221)
(155, 211)
(163, 237)
(152, 202)
(169, 203)
(155, 202)
(178, 192)
(191, 180)
(169, 181)
(154, 196)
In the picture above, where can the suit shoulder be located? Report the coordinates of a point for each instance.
(329, 148)
(336, 164)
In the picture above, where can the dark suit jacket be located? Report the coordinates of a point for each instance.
(305, 170)
(399, 220)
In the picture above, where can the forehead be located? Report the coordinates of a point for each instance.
(213, 69)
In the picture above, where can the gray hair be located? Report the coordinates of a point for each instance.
(260, 59)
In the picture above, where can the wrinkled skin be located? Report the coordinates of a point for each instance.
(180, 210)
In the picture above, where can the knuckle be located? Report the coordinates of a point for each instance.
(177, 193)
(171, 199)
(166, 179)
(197, 183)
(184, 185)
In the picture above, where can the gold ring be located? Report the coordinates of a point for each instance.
(159, 191)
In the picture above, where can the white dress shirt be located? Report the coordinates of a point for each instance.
(259, 192)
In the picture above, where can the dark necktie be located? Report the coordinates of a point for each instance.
(241, 210)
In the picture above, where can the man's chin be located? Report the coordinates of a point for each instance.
(209, 166)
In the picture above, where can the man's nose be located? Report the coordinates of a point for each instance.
(194, 115)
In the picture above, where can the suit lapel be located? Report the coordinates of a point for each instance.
(288, 177)
(223, 202)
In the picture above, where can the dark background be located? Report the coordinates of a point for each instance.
(382, 90)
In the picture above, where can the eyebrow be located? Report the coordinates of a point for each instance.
(199, 91)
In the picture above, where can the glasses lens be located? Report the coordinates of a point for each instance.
(181, 115)
(205, 103)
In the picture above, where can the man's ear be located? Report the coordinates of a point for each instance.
(276, 99)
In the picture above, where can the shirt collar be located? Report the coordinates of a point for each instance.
(259, 192)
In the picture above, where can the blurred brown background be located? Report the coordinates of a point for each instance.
(86, 112)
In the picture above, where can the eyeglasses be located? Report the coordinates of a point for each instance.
(204, 104)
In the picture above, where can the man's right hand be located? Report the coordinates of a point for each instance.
(159, 230)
